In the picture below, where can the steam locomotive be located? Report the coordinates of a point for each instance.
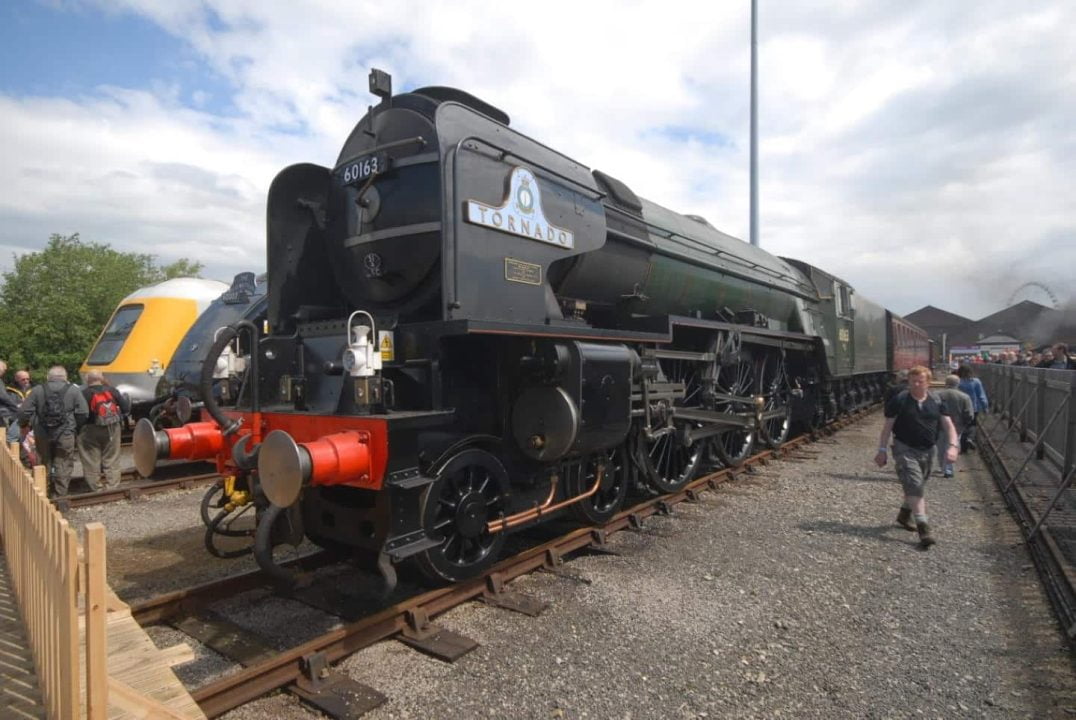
(470, 333)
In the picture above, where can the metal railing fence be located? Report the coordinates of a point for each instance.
(1034, 403)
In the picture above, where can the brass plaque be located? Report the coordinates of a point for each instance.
(522, 272)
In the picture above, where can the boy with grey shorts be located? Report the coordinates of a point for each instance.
(913, 467)
(914, 418)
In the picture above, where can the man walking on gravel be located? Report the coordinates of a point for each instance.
(958, 403)
(915, 417)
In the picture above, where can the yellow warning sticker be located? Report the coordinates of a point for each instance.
(387, 348)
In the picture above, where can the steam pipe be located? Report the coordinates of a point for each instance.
(224, 336)
(546, 507)
(227, 425)
(263, 549)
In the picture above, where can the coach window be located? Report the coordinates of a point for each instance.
(111, 341)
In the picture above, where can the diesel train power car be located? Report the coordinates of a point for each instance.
(137, 344)
(470, 333)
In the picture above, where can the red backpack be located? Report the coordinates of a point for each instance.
(103, 407)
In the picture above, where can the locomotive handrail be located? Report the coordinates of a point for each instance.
(619, 234)
(417, 140)
(505, 152)
(676, 237)
(255, 338)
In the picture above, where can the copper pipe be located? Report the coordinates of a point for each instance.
(537, 511)
(503, 523)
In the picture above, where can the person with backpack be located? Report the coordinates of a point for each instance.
(57, 411)
(99, 440)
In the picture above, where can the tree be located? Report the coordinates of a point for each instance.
(55, 303)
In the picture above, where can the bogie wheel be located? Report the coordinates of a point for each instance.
(471, 489)
(603, 504)
(733, 446)
(773, 380)
(666, 464)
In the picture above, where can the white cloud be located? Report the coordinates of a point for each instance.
(933, 136)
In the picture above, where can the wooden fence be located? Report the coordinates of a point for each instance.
(46, 570)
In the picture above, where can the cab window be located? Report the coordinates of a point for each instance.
(842, 300)
(108, 347)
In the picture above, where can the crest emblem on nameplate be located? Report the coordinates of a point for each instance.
(521, 213)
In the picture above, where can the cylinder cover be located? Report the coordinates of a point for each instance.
(545, 422)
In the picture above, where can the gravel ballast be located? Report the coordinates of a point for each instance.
(790, 593)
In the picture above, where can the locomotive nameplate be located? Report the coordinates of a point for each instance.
(521, 213)
(522, 272)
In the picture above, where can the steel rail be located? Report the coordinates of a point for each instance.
(132, 486)
(164, 607)
(286, 667)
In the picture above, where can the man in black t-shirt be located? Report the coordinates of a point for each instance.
(914, 417)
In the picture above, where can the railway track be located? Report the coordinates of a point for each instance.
(1042, 539)
(305, 669)
(179, 475)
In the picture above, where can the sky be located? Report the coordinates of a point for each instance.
(923, 151)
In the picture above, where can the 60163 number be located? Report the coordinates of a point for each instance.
(363, 168)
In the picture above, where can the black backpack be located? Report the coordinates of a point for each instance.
(55, 415)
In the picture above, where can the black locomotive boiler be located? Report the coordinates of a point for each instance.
(470, 332)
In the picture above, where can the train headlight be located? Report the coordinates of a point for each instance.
(351, 360)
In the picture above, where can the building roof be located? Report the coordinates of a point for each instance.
(939, 324)
(1026, 321)
(999, 340)
(928, 317)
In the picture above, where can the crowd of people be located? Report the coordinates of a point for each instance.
(57, 420)
(1054, 357)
